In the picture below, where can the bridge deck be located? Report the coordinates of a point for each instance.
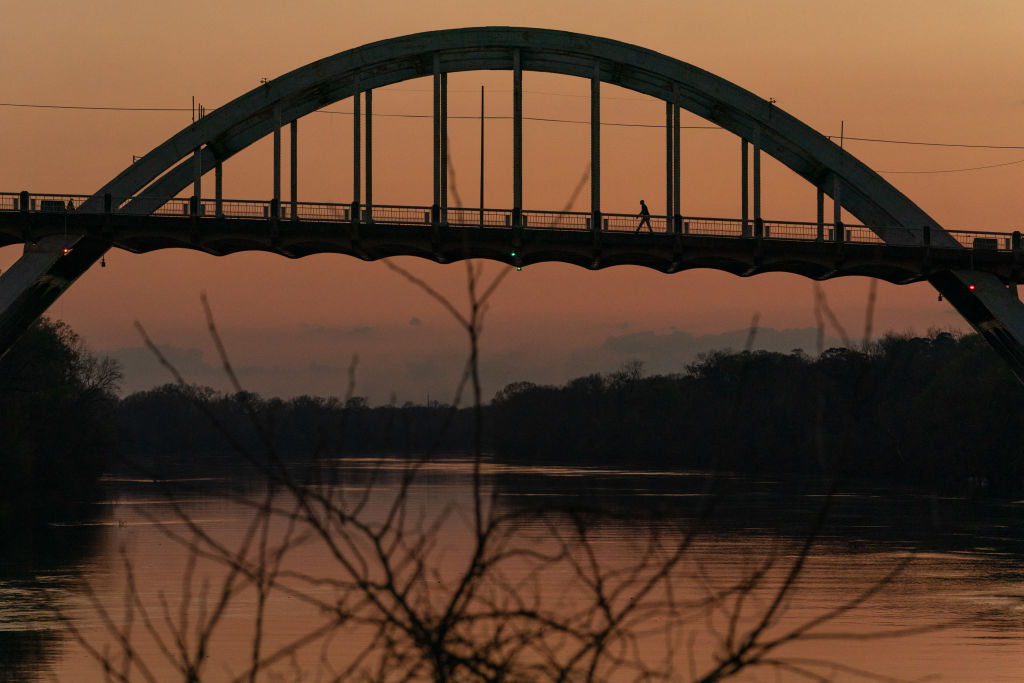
(743, 248)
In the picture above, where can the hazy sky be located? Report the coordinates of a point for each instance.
(936, 71)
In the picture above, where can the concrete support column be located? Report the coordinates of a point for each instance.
(294, 154)
(218, 188)
(595, 148)
(517, 137)
(369, 156)
(444, 148)
(758, 224)
(669, 210)
(677, 219)
(356, 158)
(821, 215)
(745, 187)
(436, 205)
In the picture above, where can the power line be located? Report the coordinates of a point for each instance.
(75, 106)
(960, 170)
(930, 144)
(545, 119)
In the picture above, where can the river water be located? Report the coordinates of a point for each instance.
(896, 584)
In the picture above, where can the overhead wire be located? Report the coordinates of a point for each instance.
(546, 119)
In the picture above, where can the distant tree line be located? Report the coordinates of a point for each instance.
(940, 412)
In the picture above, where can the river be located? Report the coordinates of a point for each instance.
(660, 573)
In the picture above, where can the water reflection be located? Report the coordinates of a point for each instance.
(39, 568)
(597, 524)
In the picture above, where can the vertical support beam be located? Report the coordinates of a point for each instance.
(595, 148)
(275, 208)
(294, 154)
(677, 225)
(517, 137)
(435, 208)
(369, 156)
(821, 215)
(444, 148)
(837, 207)
(745, 187)
(758, 224)
(218, 188)
(481, 156)
(197, 173)
(356, 158)
(669, 210)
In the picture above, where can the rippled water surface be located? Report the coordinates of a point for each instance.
(941, 579)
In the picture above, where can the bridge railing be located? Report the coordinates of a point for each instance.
(462, 217)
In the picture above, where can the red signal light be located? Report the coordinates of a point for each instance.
(67, 251)
(970, 286)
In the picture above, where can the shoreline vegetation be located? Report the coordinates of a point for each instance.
(939, 413)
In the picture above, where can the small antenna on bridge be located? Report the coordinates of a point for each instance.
(263, 80)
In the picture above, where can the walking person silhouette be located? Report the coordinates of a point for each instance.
(645, 217)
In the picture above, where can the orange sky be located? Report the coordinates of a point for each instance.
(935, 71)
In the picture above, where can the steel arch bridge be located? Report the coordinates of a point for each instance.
(903, 244)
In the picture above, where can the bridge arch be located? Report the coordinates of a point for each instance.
(984, 300)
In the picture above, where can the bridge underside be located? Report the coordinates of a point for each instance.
(371, 241)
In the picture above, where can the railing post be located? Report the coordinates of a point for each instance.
(1015, 240)
(108, 204)
(23, 201)
(193, 207)
(926, 235)
(275, 209)
(354, 212)
(197, 171)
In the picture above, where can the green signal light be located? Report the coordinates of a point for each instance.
(513, 254)
(519, 267)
